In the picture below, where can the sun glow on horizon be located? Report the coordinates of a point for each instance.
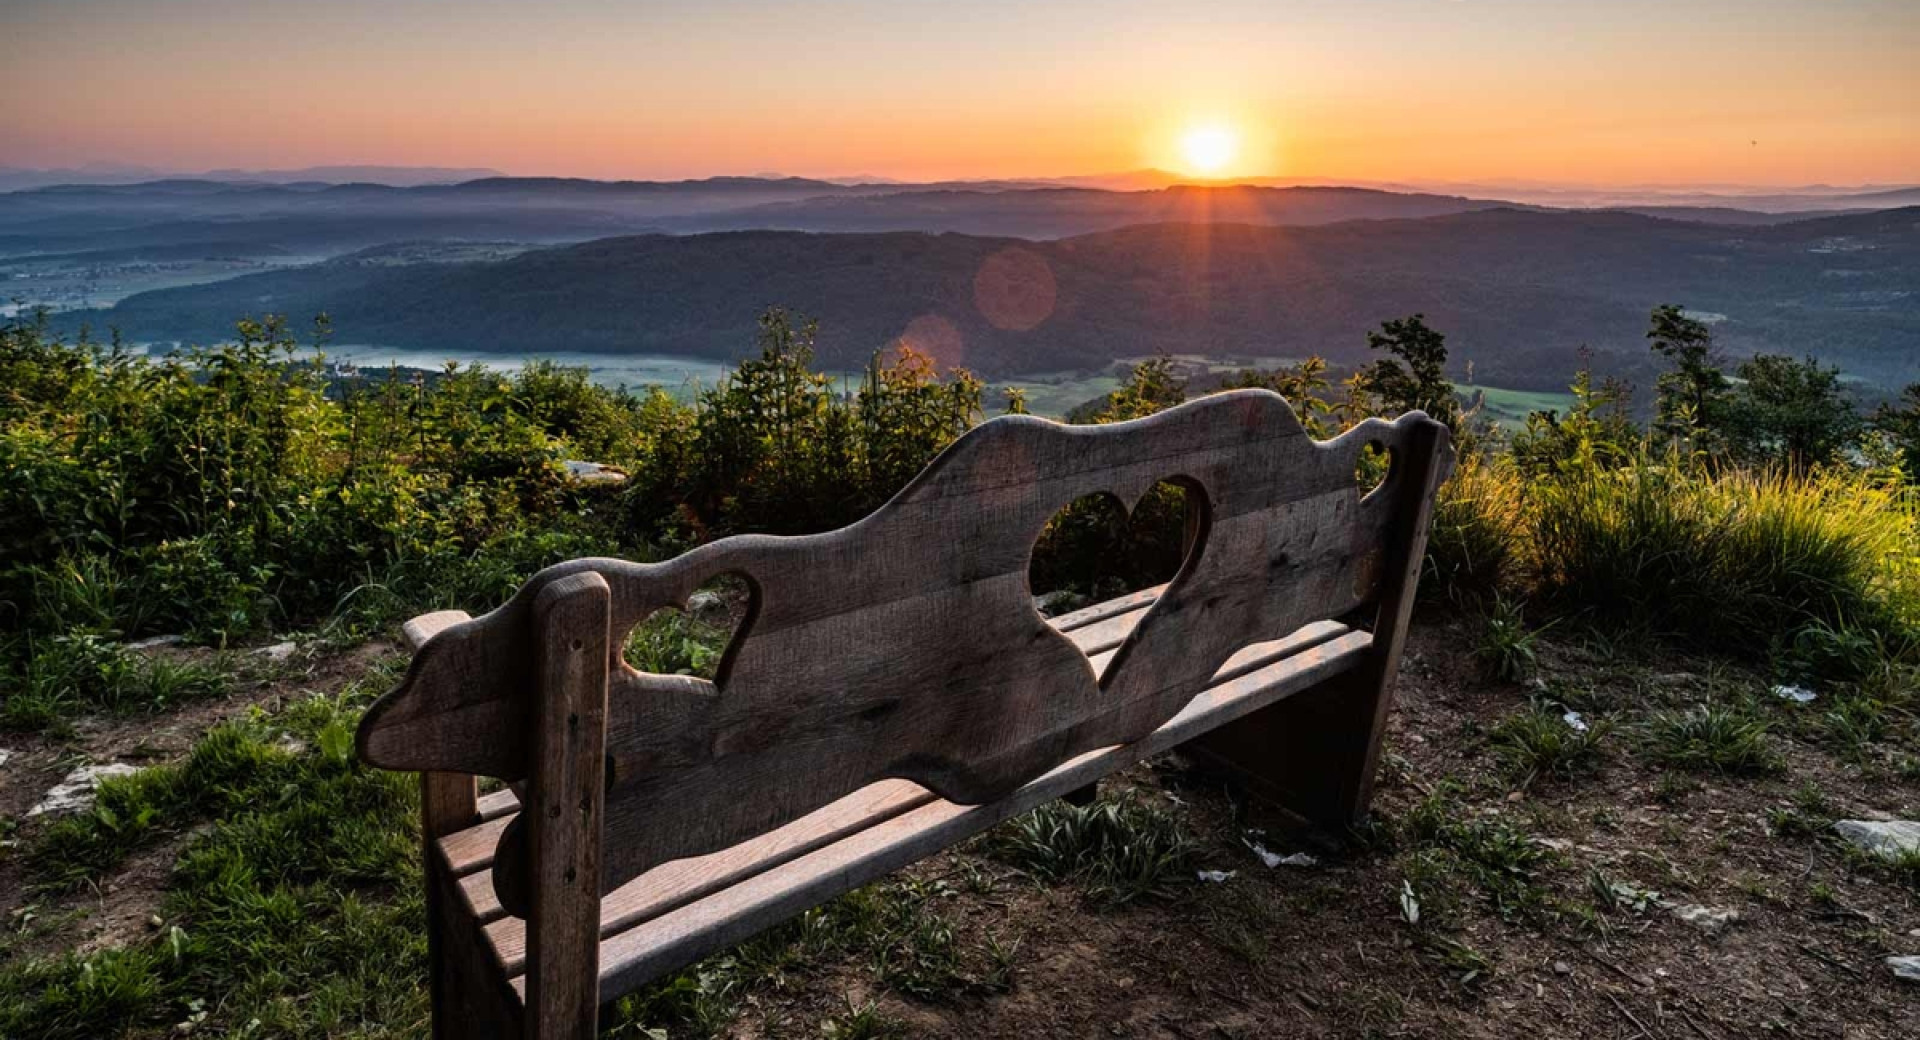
(1208, 149)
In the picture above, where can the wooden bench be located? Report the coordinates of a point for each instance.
(891, 691)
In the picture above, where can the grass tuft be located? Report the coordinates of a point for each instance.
(1120, 849)
(1711, 738)
(1540, 742)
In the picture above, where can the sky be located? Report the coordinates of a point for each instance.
(1602, 92)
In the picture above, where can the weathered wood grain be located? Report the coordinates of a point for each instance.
(564, 810)
(635, 955)
(676, 884)
(944, 673)
(1317, 754)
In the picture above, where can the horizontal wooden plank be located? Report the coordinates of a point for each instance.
(683, 881)
(1105, 609)
(681, 936)
(499, 803)
(473, 849)
(673, 885)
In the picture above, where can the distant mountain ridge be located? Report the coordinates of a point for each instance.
(1519, 291)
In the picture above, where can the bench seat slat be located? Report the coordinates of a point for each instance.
(672, 885)
(682, 936)
(474, 849)
(1252, 677)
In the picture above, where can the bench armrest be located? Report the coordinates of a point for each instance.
(426, 626)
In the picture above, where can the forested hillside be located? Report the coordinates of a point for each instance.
(1521, 291)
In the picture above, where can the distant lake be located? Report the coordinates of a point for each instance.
(1047, 394)
(680, 376)
(1050, 394)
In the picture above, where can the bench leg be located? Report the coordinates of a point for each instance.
(469, 999)
(1083, 796)
(563, 813)
(1313, 754)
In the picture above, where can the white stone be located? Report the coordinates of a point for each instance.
(4, 755)
(1274, 859)
(707, 606)
(594, 473)
(1890, 839)
(1706, 918)
(1796, 694)
(1574, 722)
(1214, 877)
(76, 791)
(278, 651)
(1907, 968)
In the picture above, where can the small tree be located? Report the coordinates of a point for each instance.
(1692, 396)
(1901, 424)
(1415, 376)
(1595, 434)
(1305, 386)
(1790, 412)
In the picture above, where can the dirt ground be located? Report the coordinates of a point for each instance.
(1322, 950)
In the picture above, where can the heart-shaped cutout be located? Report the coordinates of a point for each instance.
(1096, 548)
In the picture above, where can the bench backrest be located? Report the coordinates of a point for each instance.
(907, 645)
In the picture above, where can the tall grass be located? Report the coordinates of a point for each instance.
(1732, 560)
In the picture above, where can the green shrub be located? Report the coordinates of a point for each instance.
(1475, 533)
(1727, 561)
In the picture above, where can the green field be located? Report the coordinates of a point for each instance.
(1509, 408)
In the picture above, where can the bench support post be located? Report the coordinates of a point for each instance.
(571, 619)
(1316, 752)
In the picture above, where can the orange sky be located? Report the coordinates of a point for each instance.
(1606, 91)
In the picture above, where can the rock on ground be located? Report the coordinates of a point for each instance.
(75, 792)
(1907, 968)
(594, 473)
(1706, 918)
(1887, 838)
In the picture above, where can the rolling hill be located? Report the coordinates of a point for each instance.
(1517, 291)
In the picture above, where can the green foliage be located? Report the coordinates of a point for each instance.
(1790, 413)
(1900, 423)
(1506, 647)
(775, 448)
(1596, 434)
(281, 909)
(673, 643)
(1692, 395)
(1415, 376)
(1095, 545)
(1120, 849)
(1726, 560)
(1541, 742)
(1447, 847)
(1305, 386)
(1476, 532)
(64, 675)
(1711, 738)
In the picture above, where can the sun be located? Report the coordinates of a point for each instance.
(1209, 149)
